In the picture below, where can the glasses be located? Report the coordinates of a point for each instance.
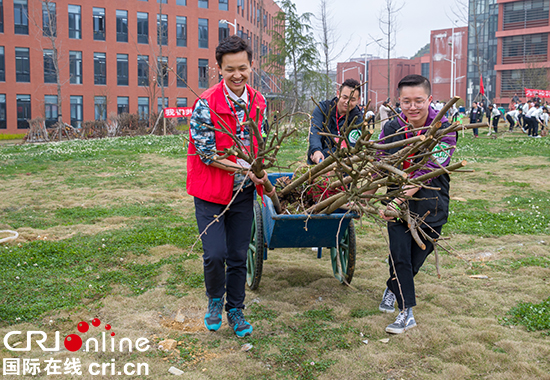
(405, 104)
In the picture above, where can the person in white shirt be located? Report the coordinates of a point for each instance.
(495, 117)
(369, 118)
(523, 121)
(533, 120)
(385, 112)
(513, 117)
(544, 117)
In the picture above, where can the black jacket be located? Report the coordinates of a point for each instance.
(323, 143)
(476, 115)
(435, 201)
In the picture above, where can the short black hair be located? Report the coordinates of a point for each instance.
(415, 80)
(353, 84)
(230, 45)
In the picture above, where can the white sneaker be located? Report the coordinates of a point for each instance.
(403, 322)
(388, 302)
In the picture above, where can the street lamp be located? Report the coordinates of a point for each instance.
(234, 25)
(453, 61)
(349, 68)
(376, 101)
(365, 80)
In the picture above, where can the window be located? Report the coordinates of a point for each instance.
(203, 73)
(122, 69)
(162, 77)
(75, 66)
(203, 3)
(121, 26)
(1, 17)
(181, 30)
(425, 68)
(159, 104)
(223, 5)
(50, 110)
(21, 17)
(182, 72)
(22, 65)
(181, 102)
(162, 1)
(143, 70)
(100, 68)
(142, 28)
(99, 24)
(143, 108)
(50, 75)
(122, 104)
(48, 19)
(23, 111)
(100, 107)
(181, 2)
(3, 111)
(203, 33)
(75, 22)
(162, 29)
(76, 111)
(2, 65)
(223, 31)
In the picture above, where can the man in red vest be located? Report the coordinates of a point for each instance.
(223, 188)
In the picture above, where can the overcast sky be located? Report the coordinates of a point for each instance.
(358, 20)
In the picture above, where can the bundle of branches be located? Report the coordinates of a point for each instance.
(37, 131)
(352, 173)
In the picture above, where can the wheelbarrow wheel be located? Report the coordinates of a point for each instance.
(255, 254)
(346, 253)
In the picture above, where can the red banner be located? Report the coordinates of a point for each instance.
(178, 111)
(531, 93)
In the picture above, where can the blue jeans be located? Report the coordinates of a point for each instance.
(225, 244)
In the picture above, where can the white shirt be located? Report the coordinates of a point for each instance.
(544, 117)
(534, 112)
(525, 108)
(513, 114)
(234, 96)
(369, 114)
(495, 112)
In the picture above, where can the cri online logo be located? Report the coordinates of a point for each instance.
(73, 342)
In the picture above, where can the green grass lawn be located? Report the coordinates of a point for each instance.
(108, 220)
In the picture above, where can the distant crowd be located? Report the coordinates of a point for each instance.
(526, 116)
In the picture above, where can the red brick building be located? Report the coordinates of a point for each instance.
(113, 54)
(522, 48)
(447, 52)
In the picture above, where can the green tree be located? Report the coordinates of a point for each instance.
(294, 49)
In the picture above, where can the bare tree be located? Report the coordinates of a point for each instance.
(387, 22)
(328, 39)
(47, 27)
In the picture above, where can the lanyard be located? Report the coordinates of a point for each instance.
(338, 121)
(407, 163)
(234, 111)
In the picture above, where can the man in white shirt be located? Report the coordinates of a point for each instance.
(495, 117)
(513, 117)
(533, 120)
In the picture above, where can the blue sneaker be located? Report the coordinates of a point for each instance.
(213, 317)
(404, 321)
(236, 321)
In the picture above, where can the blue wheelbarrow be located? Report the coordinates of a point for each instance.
(271, 230)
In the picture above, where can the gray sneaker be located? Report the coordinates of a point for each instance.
(388, 302)
(403, 322)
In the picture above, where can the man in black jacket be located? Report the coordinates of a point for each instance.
(476, 115)
(430, 203)
(334, 116)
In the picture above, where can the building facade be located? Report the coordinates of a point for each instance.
(118, 56)
(482, 49)
(522, 50)
(448, 63)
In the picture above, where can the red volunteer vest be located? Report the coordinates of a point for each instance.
(205, 181)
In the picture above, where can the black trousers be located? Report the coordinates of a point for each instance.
(225, 244)
(532, 126)
(406, 259)
(511, 121)
(495, 123)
